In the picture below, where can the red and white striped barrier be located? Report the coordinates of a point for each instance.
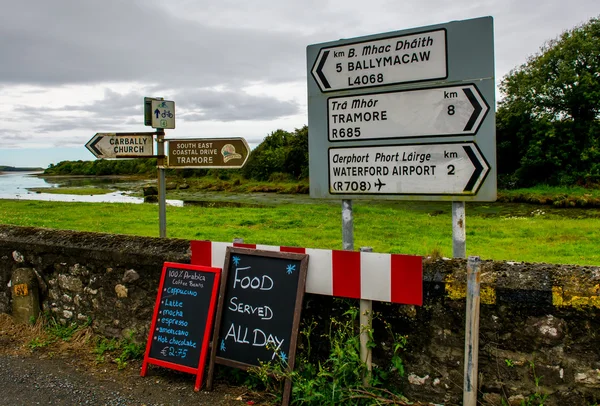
(359, 275)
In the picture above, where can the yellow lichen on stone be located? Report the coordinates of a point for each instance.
(488, 295)
(457, 291)
(454, 290)
(559, 298)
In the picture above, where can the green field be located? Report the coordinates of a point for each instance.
(515, 232)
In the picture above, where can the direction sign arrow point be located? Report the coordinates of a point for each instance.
(319, 71)
(477, 109)
(95, 150)
(478, 169)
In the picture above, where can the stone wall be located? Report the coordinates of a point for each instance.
(539, 328)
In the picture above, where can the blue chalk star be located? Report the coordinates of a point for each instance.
(290, 269)
(223, 345)
(236, 261)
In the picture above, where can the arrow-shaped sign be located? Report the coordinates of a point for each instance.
(122, 145)
(385, 61)
(426, 169)
(455, 110)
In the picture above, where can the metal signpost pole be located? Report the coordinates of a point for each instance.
(162, 190)
(347, 226)
(459, 234)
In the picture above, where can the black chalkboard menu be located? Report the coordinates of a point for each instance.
(183, 314)
(258, 313)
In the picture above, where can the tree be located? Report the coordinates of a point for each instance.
(280, 152)
(549, 119)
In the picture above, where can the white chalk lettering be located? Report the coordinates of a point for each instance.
(264, 283)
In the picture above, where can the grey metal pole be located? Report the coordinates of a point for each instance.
(459, 236)
(162, 189)
(472, 332)
(347, 226)
(366, 324)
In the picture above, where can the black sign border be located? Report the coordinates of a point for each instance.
(214, 359)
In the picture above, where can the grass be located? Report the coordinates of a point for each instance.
(88, 191)
(573, 196)
(494, 231)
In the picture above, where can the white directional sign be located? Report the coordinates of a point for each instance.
(404, 115)
(121, 145)
(452, 110)
(438, 169)
(385, 61)
(163, 114)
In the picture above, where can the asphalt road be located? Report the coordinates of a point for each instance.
(29, 380)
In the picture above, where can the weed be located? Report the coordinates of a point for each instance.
(339, 378)
(538, 398)
(509, 363)
(51, 331)
(37, 343)
(120, 351)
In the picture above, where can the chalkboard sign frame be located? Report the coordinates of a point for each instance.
(302, 260)
(199, 367)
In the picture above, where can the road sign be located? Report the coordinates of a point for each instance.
(148, 109)
(397, 59)
(434, 169)
(208, 153)
(431, 85)
(121, 145)
(163, 114)
(450, 110)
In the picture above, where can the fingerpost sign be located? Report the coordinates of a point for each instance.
(182, 320)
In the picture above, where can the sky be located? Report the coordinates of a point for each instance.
(72, 68)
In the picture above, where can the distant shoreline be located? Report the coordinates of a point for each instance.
(17, 169)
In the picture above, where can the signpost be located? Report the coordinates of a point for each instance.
(427, 91)
(208, 153)
(410, 113)
(433, 169)
(122, 145)
(424, 132)
(163, 114)
(148, 109)
(387, 60)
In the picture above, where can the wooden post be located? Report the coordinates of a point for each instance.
(472, 332)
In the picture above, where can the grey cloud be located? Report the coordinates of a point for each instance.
(87, 123)
(11, 138)
(229, 105)
(113, 104)
(126, 41)
(116, 110)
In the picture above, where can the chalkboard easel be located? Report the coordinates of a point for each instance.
(258, 314)
(183, 315)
